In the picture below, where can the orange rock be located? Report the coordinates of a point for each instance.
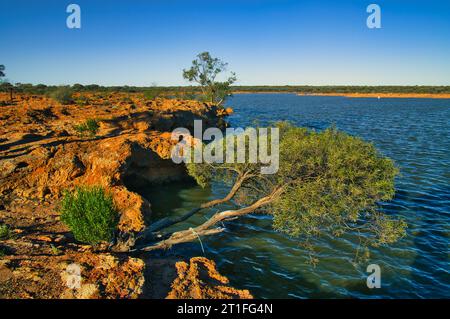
(130, 141)
(42, 155)
(200, 280)
(44, 238)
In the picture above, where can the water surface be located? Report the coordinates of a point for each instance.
(413, 132)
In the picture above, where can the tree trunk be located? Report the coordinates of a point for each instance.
(204, 229)
(151, 232)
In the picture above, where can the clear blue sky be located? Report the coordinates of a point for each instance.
(273, 42)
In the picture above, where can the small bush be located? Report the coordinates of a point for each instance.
(82, 101)
(55, 250)
(3, 251)
(90, 127)
(63, 95)
(4, 232)
(127, 99)
(153, 93)
(90, 214)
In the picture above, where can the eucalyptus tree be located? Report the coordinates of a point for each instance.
(204, 71)
(328, 182)
(6, 85)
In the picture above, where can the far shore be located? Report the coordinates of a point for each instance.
(360, 95)
(384, 95)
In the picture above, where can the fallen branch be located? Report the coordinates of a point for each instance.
(151, 232)
(206, 228)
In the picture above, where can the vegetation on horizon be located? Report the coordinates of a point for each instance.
(204, 71)
(193, 91)
(90, 214)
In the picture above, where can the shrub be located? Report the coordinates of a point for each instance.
(63, 95)
(90, 126)
(4, 232)
(3, 251)
(153, 93)
(90, 214)
(82, 101)
(127, 99)
(55, 250)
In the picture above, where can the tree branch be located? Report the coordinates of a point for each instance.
(151, 232)
(206, 228)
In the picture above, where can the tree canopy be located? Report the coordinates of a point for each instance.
(328, 182)
(204, 72)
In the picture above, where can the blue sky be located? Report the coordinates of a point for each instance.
(273, 42)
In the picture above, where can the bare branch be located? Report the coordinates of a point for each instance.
(207, 227)
(151, 232)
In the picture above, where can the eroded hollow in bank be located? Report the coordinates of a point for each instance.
(166, 185)
(146, 167)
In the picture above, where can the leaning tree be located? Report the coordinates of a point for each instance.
(327, 182)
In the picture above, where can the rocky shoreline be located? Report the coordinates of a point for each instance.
(42, 154)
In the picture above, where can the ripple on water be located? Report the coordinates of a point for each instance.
(415, 133)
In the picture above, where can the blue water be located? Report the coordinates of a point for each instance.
(415, 133)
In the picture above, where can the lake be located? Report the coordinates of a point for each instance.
(415, 133)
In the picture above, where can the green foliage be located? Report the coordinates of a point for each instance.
(329, 182)
(2, 71)
(78, 87)
(204, 71)
(82, 100)
(338, 181)
(90, 214)
(63, 95)
(127, 99)
(194, 91)
(55, 250)
(153, 93)
(89, 127)
(5, 233)
(3, 251)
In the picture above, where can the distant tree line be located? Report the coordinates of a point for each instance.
(344, 89)
(78, 88)
(192, 91)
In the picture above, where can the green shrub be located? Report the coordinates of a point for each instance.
(90, 214)
(153, 93)
(82, 101)
(127, 99)
(63, 95)
(4, 232)
(90, 126)
(3, 252)
(55, 250)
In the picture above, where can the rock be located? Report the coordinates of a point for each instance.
(86, 291)
(200, 280)
(42, 155)
(44, 238)
(5, 274)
